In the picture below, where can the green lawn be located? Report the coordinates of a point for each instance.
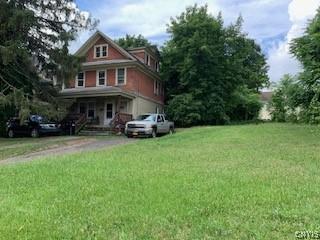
(19, 146)
(233, 182)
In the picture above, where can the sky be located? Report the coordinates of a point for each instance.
(272, 23)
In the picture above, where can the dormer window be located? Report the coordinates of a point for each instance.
(101, 51)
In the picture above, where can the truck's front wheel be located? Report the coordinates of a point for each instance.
(154, 133)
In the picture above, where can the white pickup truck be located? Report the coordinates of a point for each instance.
(149, 125)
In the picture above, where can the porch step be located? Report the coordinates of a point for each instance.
(95, 133)
(96, 128)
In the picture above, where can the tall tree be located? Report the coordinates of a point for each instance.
(34, 36)
(207, 63)
(133, 41)
(307, 50)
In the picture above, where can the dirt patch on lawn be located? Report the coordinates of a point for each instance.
(74, 146)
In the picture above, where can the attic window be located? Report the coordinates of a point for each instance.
(101, 51)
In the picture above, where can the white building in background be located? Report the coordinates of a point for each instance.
(265, 113)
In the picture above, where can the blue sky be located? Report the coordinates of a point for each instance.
(272, 23)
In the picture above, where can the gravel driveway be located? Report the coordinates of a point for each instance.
(84, 145)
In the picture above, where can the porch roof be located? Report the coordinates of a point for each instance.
(95, 92)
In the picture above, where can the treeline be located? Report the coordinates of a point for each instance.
(212, 72)
(297, 98)
(34, 40)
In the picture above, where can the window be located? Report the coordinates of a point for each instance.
(97, 52)
(121, 76)
(155, 87)
(80, 79)
(159, 87)
(109, 111)
(157, 66)
(159, 117)
(101, 77)
(148, 59)
(101, 51)
(91, 110)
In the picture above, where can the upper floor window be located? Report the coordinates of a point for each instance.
(157, 66)
(121, 76)
(155, 87)
(101, 77)
(80, 79)
(101, 51)
(148, 60)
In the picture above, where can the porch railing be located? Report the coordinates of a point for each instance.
(119, 121)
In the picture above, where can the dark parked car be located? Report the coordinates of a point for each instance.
(35, 126)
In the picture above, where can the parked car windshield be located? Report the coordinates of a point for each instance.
(146, 117)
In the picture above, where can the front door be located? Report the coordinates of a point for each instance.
(108, 113)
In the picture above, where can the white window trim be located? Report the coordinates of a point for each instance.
(94, 108)
(95, 51)
(84, 80)
(87, 108)
(125, 76)
(148, 59)
(105, 77)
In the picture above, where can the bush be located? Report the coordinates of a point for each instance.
(184, 110)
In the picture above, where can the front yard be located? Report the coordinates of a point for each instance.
(20, 146)
(232, 182)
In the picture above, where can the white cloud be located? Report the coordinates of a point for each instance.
(146, 17)
(263, 20)
(280, 60)
(150, 18)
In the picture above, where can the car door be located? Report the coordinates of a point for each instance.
(166, 126)
(160, 124)
(25, 128)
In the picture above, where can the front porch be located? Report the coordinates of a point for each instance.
(103, 112)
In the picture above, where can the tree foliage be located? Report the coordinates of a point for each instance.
(208, 64)
(285, 99)
(301, 97)
(34, 38)
(133, 41)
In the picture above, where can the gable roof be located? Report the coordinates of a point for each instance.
(132, 58)
(153, 50)
(89, 43)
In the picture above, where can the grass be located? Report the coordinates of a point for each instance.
(20, 146)
(233, 182)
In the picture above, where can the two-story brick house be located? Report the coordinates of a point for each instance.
(115, 80)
